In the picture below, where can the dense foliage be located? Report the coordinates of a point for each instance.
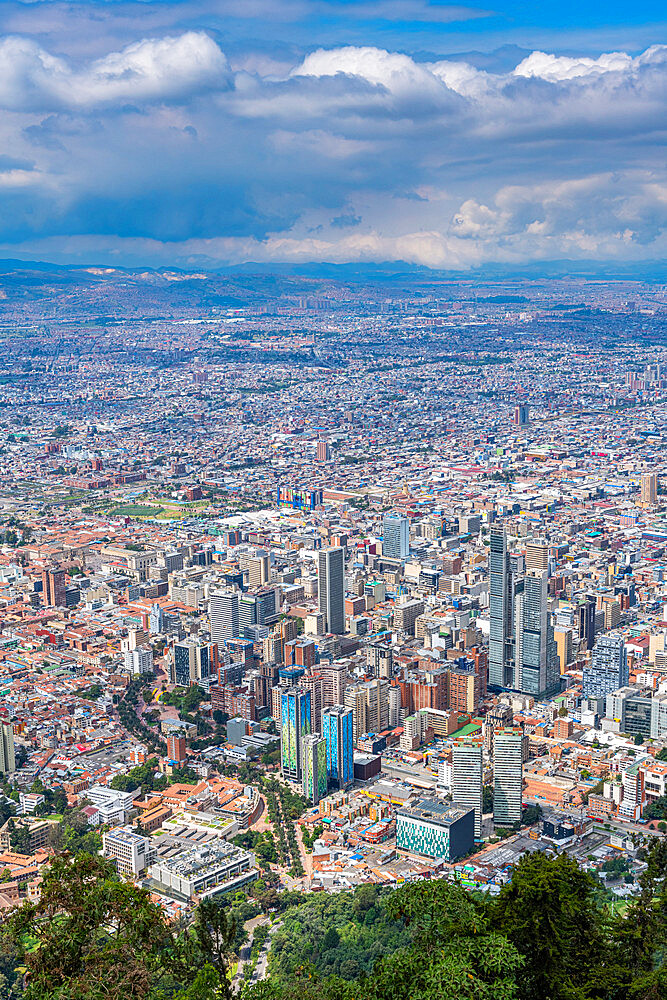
(548, 935)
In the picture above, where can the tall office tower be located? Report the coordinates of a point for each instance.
(223, 613)
(380, 659)
(176, 748)
(268, 678)
(7, 758)
(193, 662)
(537, 556)
(323, 451)
(296, 722)
(335, 681)
(331, 588)
(314, 767)
(536, 669)
(507, 776)
(53, 588)
(500, 611)
(395, 536)
(468, 774)
(586, 621)
(521, 414)
(369, 702)
(394, 701)
(649, 488)
(259, 569)
(337, 727)
(314, 682)
(608, 670)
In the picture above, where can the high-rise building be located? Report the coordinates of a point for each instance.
(586, 621)
(7, 756)
(536, 669)
(331, 588)
(649, 487)
(537, 556)
(608, 668)
(500, 611)
(176, 748)
(314, 682)
(395, 536)
(53, 588)
(369, 701)
(337, 727)
(296, 722)
(259, 569)
(314, 767)
(334, 675)
(467, 784)
(223, 613)
(521, 414)
(323, 451)
(139, 660)
(508, 776)
(193, 662)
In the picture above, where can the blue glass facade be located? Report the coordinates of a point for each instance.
(337, 729)
(296, 722)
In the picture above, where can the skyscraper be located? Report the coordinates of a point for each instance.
(500, 611)
(314, 767)
(53, 587)
(537, 556)
(395, 536)
(468, 773)
(586, 621)
(337, 727)
(223, 613)
(608, 670)
(508, 776)
(331, 588)
(649, 487)
(296, 722)
(536, 669)
(7, 758)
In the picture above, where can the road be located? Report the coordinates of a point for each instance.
(244, 954)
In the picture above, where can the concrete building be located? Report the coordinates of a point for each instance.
(508, 776)
(467, 783)
(203, 871)
(131, 852)
(435, 829)
(395, 536)
(7, 752)
(608, 669)
(331, 588)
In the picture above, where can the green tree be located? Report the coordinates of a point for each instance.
(548, 910)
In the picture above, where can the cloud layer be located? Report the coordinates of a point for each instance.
(167, 151)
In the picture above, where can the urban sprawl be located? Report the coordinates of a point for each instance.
(308, 583)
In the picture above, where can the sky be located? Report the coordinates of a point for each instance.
(207, 133)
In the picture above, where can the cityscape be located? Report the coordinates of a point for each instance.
(333, 501)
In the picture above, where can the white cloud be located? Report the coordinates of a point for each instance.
(557, 68)
(152, 69)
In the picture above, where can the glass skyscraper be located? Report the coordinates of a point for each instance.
(337, 727)
(395, 536)
(296, 722)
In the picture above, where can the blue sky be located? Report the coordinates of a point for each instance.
(212, 132)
